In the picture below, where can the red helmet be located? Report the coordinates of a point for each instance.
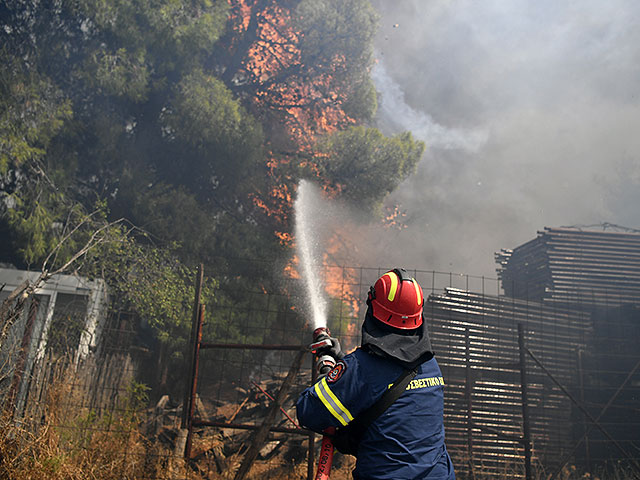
(396, 299)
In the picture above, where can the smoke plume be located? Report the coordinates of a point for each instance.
(530, 114)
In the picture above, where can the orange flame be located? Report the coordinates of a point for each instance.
(291, 269)
(311, 102)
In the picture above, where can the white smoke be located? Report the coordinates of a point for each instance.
(393, 109)
(530, 114)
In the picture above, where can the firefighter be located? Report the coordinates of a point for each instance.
(407, 440)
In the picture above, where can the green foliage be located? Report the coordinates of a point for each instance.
(363, 101)
(52, 465)
(163, 36)
(204, 111)
(138, 396)
(119, 73)
(148, 110)
(173, 214)
(40, 218)
(339, 315)
(154, 283)
(222, 141)
(365, 166)
(32, 111)
(32, 223)
(338, 37)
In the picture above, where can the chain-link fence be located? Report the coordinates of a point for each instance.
(93, 413)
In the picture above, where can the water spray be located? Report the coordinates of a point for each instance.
(308, 257)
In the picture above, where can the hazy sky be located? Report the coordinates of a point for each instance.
(531, 116)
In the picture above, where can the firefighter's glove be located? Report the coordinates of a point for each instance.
(334, 350)
(328, 356)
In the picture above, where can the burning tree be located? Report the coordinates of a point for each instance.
(192, 119)
(213, 108)
(302, 68)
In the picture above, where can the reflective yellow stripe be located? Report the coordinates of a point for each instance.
(331, 402)
(338, 403)
(418, 295)
(328, 405)
(394, 285)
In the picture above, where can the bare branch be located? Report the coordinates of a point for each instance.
(66, 237)
(91, 243)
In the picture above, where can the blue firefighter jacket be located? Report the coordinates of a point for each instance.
(407, 440)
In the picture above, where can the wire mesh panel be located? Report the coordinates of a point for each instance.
(476, 343)
(80, 418)
(236, 386)
(609, 387)
(120, 394)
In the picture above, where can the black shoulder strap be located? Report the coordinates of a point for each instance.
(362, 421)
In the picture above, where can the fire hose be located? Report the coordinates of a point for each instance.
(326, 457)
(324, 363)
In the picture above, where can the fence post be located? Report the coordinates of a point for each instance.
(194, 381)
(467, 394)
(584, 420)
(526, 433)
(189, 354)
(191, 357)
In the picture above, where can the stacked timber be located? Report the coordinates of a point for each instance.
(575, 267)
(475, 339)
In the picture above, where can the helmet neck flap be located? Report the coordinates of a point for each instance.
(410, 348)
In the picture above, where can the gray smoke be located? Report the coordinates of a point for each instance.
(531, 116)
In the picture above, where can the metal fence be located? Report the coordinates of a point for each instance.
(579, 365)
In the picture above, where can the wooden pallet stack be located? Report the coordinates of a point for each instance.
(574, 266)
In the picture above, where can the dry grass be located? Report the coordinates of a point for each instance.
(72, 443)
(610, 472)
(78, 444)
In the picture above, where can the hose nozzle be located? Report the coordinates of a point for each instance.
(322, 341)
